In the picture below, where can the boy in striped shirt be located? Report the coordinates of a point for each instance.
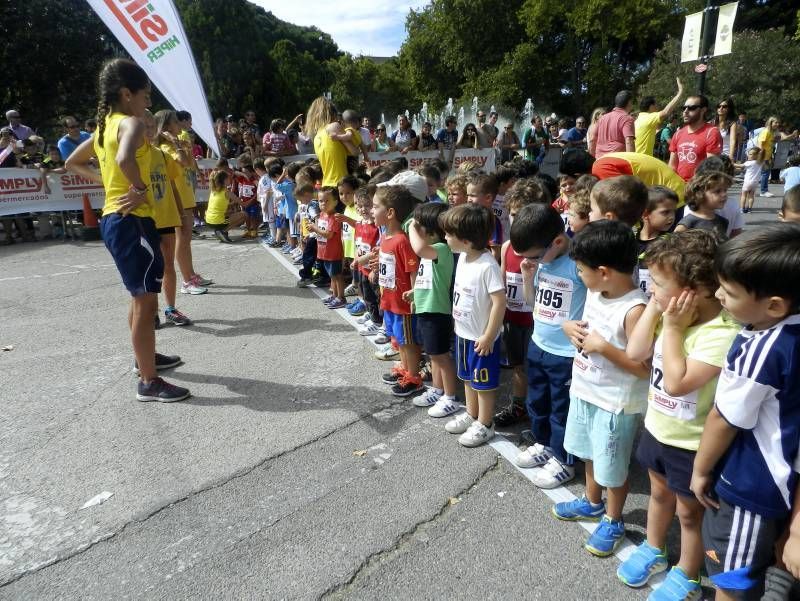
(745, 471)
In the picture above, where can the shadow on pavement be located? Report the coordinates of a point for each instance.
(264, 325)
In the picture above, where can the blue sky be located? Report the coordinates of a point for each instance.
(374, 27)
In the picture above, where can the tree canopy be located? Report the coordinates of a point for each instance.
(567, 56)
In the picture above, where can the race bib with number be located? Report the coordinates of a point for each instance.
(362, 249)
(589, 367)
(683, 408)
(463, 299)
(386, 271)
(645, 281)
(347, 232)
(515, 300)
(553, 299)
(323, 227)
(424, 279)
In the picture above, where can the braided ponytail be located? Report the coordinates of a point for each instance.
(102, 111)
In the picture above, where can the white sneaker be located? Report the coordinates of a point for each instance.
(767, 195)
(476, 435)
(444, 406)
(553, 474)
(387, 353)
(191, 288)
(382, 338)
(370, 330)
(351, 290)
(362, 321)
(535, 455)
(459, 424)
(428, 398)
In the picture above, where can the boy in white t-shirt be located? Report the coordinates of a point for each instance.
(479, 303)
(609, 390)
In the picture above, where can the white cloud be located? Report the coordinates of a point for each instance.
(374, 28)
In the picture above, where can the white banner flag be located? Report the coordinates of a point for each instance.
(690, 45)
(152, 33)
(724, 41)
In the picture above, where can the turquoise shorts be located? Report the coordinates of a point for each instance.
(604, 438)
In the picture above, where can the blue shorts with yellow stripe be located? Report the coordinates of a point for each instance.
(481, 373)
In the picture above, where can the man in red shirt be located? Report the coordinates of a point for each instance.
(693, 143)
(615, 130)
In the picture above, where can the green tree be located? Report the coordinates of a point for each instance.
(761, 74)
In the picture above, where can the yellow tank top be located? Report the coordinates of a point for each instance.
(332, 157)
(114, 181)
(163, 171)
(183, 183)
(217, 207)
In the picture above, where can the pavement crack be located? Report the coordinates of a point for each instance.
(339, 591)
(81, 549)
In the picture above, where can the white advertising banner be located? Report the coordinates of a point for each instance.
(724, 40)
(152, 33)
(28, 191)
(690, 44)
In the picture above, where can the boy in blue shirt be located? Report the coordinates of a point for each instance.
(750, 441)
(557, 295)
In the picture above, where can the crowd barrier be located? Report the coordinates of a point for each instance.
(29, 191)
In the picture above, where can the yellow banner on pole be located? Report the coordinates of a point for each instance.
(724, 41)
(690, 45)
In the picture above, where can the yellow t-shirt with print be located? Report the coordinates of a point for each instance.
(115, 183)
(184, 182)
(349, 232)
(678, 421)
(645, 128)
(163, 171)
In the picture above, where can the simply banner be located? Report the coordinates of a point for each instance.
(152, 33)
(29, 191)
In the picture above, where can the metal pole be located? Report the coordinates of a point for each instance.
(709, 27)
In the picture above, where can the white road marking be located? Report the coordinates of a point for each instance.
(501, 444)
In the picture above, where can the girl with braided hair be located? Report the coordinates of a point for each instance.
(128, 226)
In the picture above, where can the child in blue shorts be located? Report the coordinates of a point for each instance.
(479, 304)
(609, 390)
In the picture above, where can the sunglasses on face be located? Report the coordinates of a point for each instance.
(691, 107)
(379, 129)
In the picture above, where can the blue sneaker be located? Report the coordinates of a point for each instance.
(351, 304)
(579, 509)
(606, 537)
(677, 587)
(645, 561)
(357, 308)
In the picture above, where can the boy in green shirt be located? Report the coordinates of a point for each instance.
(433, 308)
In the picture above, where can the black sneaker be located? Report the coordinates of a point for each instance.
(321, 282)
(161, 391)
(223, 236)
(510, 415)
(162, 362)
(177, 318)
(408, 386)
(394, 376)
(304, 282)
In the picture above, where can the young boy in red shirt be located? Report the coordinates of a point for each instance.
(397, 271)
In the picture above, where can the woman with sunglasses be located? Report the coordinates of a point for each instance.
(727, 125)
(382, 142)
(468, 137)
(508, 142)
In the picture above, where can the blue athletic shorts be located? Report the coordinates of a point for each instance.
(332, 268)
(280, 221)
(481, 373)
(134, 244)
(400, 327)
(254, 210)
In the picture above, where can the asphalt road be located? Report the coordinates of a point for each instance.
(291, 473)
